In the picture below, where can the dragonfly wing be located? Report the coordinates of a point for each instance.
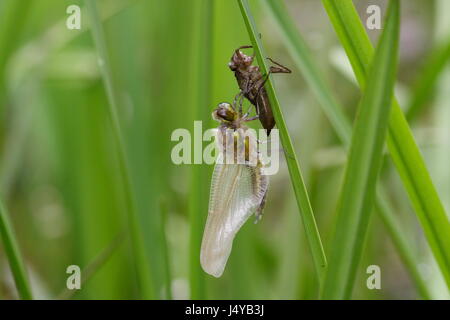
(236, 192)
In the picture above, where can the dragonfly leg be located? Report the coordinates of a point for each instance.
(260, 84)
(244, 47)
(251, 118)
(279, 67)
(259, 210)
(238, 100)
(241, 102)
(248, 110)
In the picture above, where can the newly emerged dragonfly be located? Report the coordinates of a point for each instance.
(251, 82)
(238, 188)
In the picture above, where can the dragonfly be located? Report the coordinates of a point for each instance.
(238, 188)
(251, 82)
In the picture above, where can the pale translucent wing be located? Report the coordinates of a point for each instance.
(236, 193)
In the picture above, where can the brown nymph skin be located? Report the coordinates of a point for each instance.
(251, 82)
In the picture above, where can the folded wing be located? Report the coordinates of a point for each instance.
(237, 191)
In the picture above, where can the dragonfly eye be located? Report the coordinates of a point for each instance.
(224, 112)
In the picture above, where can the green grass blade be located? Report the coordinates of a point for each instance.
(94, 266)
(201, 109)
(423, 87)
(141, 263)
(358, 192)
(301, 194)
(311, 73)
(402, 146)
(364, 162)
(303, 58)
(13, 254)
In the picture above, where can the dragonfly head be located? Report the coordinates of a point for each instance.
(225, 113)
(240, 60)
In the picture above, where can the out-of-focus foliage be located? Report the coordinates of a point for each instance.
(59, 170)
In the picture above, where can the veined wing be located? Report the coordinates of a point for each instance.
(237, 191)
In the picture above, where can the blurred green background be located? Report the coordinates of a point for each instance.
(59, 170)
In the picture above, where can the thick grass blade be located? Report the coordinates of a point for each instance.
(423, 87)
(301, 194)
(303, 58)
(401, 144)
(364, 162)
(141, 260)
(13, 255)
(311, 73)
